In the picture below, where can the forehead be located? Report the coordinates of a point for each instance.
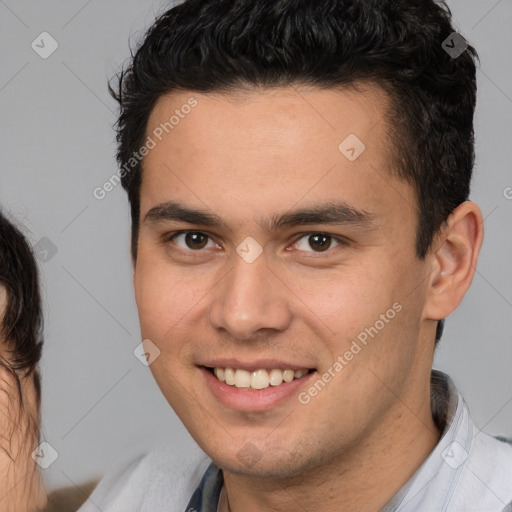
(270, 148)
(293, 115)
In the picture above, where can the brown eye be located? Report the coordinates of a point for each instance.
(319, 242)
(194, 240)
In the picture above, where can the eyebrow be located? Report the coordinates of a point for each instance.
(331, 213)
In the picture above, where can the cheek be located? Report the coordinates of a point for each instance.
(371, 308)
(166, 301)
(348, 300)
(154, 297)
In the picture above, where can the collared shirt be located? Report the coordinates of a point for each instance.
(461, 474)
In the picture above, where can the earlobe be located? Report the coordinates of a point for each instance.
(454, 260)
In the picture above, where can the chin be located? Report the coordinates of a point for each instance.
(272, 463)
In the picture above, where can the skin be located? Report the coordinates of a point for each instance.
(247, 157)
(21, 485)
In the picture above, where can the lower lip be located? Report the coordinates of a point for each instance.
(247, 399)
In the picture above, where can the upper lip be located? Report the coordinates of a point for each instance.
(254, 365)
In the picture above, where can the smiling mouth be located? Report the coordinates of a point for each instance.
(258, 379)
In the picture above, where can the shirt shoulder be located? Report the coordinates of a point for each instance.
(486, 480)
(159, 480)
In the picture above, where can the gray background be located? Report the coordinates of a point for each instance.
(57, 145)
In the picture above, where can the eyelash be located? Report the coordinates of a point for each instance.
(341, 241)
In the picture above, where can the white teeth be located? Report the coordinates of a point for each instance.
(258, 379)
(288, 375)
(229, 376)
(242, 379)
(219, 373)
(276, 377)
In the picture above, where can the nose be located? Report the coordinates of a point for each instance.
(250, 300)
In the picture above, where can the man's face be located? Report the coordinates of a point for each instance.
(208, 298)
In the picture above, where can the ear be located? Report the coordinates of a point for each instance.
(454, 257)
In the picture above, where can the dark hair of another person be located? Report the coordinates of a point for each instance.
(21, 326)
(226, 45)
